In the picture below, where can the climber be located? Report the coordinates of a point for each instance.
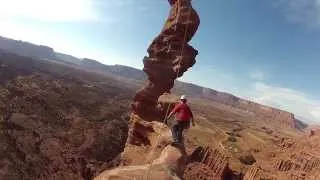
(183, 116)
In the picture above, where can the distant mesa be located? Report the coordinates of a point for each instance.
(279, 117)
(27, 49)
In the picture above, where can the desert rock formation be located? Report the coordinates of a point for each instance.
(170, 159)
(256, 173)
(145, 137)
(56, 123)
(170, 56)
(27, 49)
(206, 163)
(261, 112)
(162, 161)
(297, 160)
(156, 159)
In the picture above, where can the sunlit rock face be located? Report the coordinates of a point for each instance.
(170, 56)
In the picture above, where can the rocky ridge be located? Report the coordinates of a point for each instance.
(300, 160)
(56, 122)
(27, 49)
(279, 117)
(163, 161)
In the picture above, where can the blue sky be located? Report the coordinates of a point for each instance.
(266, 51)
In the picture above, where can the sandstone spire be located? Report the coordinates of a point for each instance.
(170, 56)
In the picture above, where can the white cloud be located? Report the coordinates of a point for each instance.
(257, 75)
(49, 10)
(287, 99)
(316, 112)
(301, 11)
(299, 103)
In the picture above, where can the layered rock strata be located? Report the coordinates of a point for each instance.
(206, 163)
(170, 56)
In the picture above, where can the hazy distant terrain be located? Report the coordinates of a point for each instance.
(131, 75)
(66, 118)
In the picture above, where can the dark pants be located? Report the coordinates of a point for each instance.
(177, 130)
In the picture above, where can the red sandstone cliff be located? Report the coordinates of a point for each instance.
(206, 163)
(263, 113)
(296, 159)
(260, 112)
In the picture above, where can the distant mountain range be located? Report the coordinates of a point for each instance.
(27, 49)
(128, 73)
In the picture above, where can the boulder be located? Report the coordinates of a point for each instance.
(169, 166)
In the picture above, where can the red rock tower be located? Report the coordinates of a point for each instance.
(170, 56)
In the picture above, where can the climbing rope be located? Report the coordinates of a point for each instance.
(177, 75)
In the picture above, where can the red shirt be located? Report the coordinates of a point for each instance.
(182, 112)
